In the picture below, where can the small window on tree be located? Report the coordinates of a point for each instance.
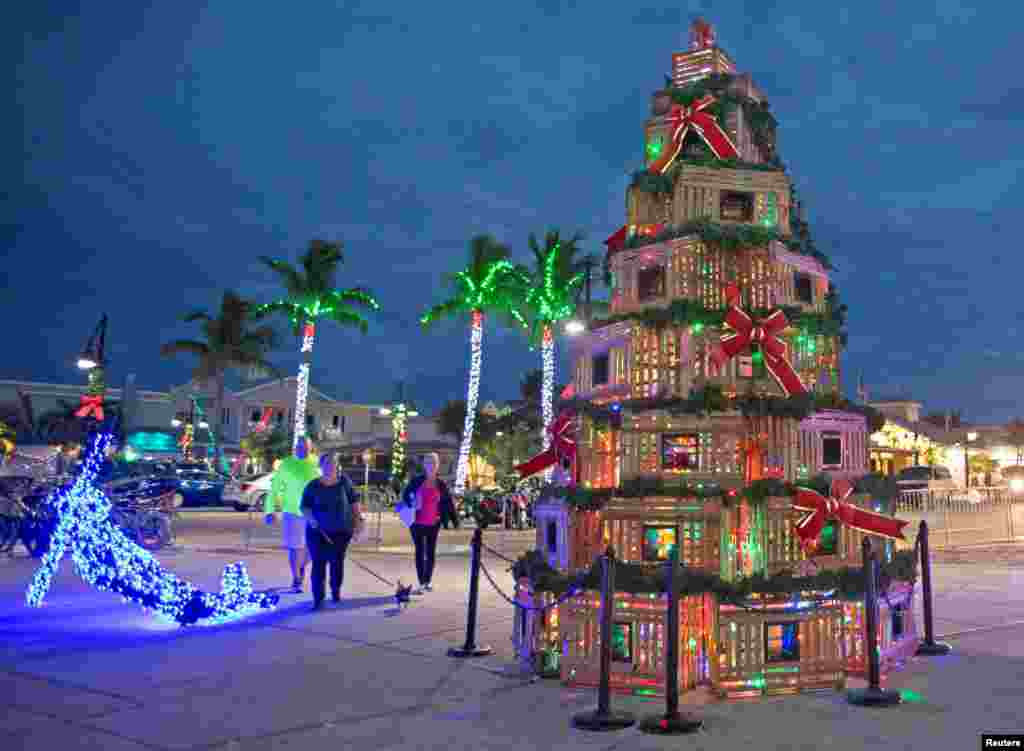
(828, 540)
(745, 366)
(781, 642)
(600, 369)
(831, 450)
(680, 452)
(803, 287)
(622, 642)
(651, 283)
(659, 542)
(736, 207)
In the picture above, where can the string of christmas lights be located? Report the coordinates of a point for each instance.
(472, 397)
(398, 415)
(302, 382)
(109, 561)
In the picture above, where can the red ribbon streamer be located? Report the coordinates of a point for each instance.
(820, 510)
(765, 334)
(563, 446)
(682, 119)
(90, 406)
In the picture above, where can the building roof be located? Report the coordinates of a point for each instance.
(77, 389)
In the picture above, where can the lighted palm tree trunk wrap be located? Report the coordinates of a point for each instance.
(302, 383)
(548, 383)
(476, 338)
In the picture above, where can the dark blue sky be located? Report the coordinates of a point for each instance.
(163, 149)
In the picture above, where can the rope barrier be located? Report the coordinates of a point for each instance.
(496, 554)
(572, 592)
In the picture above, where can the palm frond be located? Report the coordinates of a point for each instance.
(356, 295)
(293, 280)
(179, 346)
(348, 317)
(441, 310)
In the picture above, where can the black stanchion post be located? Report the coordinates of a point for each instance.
(470, 648)
(672, 722)
(603, 718)
(874, 695)
(929, 647)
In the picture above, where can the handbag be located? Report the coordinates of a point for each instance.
(406, 513)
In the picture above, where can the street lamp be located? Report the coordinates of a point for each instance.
(92, 354)
(967, 464)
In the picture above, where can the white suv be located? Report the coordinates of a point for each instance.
(248, 493)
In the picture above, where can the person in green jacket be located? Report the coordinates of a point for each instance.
(286, 488)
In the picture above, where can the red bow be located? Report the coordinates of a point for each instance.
(704, 124)
(90, 405)
(764, 333)
(562, 447)
(821, 509)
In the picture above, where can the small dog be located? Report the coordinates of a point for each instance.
(402, 595)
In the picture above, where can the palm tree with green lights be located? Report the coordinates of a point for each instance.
(490, 283)
(552, 297)
(311, 296)
(230, 344)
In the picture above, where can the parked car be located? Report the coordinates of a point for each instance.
(937, 479)
(201, 488)
(248, 493)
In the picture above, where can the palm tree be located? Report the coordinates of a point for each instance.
(489, 283)
(557, 279)
(312, 296)
(230, 344)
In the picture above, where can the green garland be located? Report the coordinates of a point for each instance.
(636, 578)
(730, 237)
(711, 399)
(883, 491)
(690, 312)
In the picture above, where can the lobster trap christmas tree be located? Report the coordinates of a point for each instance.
(708, 418)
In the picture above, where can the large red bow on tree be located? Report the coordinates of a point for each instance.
(820, 510)
(563, 446)
(90, 406)
(682, 119)
(764, 333)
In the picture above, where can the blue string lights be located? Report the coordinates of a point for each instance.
(109, 561)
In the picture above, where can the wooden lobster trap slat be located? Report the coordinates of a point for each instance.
(898, 635)
(778, 646)
(639, 647)
(644, 530)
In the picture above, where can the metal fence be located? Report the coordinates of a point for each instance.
(977, 516)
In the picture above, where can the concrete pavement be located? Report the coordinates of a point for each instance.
(86, 671)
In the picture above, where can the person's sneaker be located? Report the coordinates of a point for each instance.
(428, 588)
(336, 598)
(297, 586)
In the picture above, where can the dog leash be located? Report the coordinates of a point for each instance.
(355, 561)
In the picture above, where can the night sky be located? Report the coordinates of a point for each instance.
(163, 149)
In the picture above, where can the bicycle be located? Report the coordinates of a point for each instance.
(146, 522)
(25, 517)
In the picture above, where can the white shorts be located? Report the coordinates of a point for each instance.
(293, 531)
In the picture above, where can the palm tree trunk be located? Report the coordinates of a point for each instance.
(218, 422)
(547, 393)
(476, 337)
(302, 383)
